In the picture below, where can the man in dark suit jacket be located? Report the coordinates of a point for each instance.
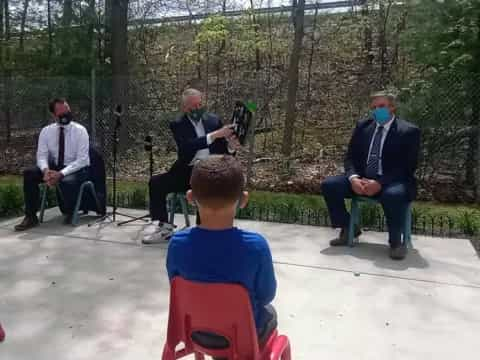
(198, 134)
(381, 161)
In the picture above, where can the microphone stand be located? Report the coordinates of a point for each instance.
(111, 216)
(149, 148)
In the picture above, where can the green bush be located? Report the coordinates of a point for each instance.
(469, 223)
(11, 200)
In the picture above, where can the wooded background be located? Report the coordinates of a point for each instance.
(310, 68)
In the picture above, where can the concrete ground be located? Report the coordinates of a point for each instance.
(97, 293)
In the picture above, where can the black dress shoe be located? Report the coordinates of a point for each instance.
(27, 223)
(342, 239)
(68, 220)
(398, 253)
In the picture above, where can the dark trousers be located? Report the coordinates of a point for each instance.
(69, 187)
(177, 179)
(213, 341)
(393, 198)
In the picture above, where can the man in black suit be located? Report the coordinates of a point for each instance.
(198, 134)
(380, 162)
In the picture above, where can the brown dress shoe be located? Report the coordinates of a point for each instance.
(342, 239)
(27, 223)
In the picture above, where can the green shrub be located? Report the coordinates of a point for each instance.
(11, 200)
(469, 223)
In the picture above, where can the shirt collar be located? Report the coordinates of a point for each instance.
(64, 126)
(387, 125)
(194, 123)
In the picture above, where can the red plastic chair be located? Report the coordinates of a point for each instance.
(222, 309)
(2, 333)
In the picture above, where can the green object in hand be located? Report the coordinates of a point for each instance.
(251, 106)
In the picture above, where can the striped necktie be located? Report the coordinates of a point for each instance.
(373, 162)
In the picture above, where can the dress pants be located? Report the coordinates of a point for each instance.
(393, 198)
(69, 187)
(177, 179)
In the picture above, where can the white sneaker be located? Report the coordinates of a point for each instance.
(161, 234)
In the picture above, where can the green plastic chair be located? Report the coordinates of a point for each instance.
(86, 186)
(172, 199)
(355, 220)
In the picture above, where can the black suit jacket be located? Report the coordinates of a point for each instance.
(399, 154)
(187, 141)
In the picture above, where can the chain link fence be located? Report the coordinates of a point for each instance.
(444, 106)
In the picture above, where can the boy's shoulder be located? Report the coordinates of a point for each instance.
(248, 238)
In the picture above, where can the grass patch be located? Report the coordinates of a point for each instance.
(429, 217)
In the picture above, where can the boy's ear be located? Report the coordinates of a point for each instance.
(190, 197)
(243, 200)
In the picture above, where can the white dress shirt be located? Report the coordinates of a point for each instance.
(76, 147)
(200, 130)
(386, 128)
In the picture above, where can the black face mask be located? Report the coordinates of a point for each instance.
(65, 118)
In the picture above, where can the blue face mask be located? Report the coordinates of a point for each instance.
(382, 115)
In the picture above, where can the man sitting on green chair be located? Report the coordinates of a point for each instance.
(381, 161)
(62, 159)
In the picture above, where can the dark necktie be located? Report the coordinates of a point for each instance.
(374, 159)
(61, 148)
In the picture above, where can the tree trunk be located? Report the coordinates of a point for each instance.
(50, 29)
(309, 76)
(22, 25)
(290, 115)
(7, 71)
(120, 58)
(253, 123)
(67, 13)
(67, 18)
(107, 41)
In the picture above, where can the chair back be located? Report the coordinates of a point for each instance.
(222, 309)
(2, 333)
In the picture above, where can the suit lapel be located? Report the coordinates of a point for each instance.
(392, 132)
(189, 126)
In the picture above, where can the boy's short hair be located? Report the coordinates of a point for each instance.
(217, 181)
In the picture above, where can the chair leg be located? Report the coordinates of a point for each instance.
(407, 232)
(172, 202)
(287, 354)
(91, 187)
(354, 213)
(183, 202)
(78, 203)
(43, 203)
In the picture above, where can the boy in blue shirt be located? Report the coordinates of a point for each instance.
(216, 251)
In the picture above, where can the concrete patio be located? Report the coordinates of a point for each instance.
(97, 293)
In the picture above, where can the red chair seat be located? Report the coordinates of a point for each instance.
(222, 309)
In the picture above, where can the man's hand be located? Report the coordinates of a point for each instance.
(46, 175)
(372, 187)
(358, 186)
(224, 132)
(54, 177)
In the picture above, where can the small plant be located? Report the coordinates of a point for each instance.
(469, 223)
(11, 200)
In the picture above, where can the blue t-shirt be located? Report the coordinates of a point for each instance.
(226, 256)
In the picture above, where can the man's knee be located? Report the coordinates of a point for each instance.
(32, 174)
(160, 183)
(394, 194)
(333, 185)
